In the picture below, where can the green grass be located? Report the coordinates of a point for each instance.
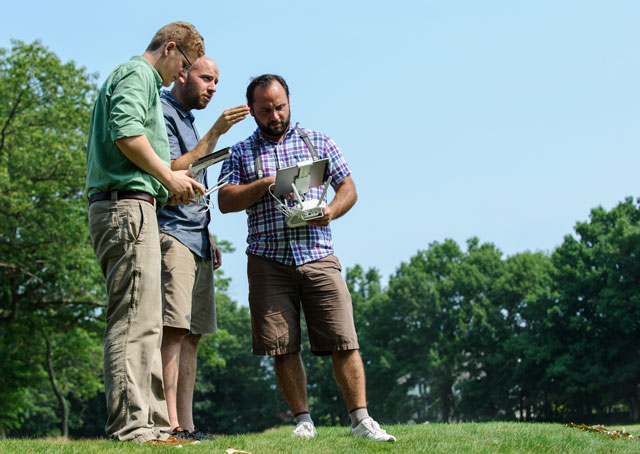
(486, 438)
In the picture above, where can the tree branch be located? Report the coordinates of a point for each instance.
(3, 133)
(64, 417)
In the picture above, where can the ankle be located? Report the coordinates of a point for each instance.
(303, 417)
(358, 415)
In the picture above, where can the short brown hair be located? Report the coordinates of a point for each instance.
(264, 81)
(183, 34)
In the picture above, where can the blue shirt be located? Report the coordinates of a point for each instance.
(269, 235)
(186, 223)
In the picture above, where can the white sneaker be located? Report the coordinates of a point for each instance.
(370, 429)
(304, 430)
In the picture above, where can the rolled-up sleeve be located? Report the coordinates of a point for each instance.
(338, 167)
(129, 106)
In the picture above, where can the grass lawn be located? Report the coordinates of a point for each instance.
(485, 438)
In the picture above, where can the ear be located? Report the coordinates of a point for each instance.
(183, 76)
(252, 112)
(169, 47)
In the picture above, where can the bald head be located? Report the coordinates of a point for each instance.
(195, 88)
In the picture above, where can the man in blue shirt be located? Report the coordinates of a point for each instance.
(189, 254)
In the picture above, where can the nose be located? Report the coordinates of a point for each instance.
(274, 115)
(211, 88)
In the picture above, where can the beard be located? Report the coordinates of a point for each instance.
(274, 129)
(193, 98)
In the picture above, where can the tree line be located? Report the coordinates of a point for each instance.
(456, 334)
(472, 335)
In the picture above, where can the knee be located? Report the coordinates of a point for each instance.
(345, 354)
(287, 358)
(172, 335)
(192, 339)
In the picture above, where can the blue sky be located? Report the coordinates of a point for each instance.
(506, 120)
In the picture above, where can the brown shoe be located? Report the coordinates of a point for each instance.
(171, 441)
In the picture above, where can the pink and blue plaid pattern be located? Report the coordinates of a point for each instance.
(268, 234)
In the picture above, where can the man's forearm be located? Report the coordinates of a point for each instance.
(227, 119)
(204, 147)
(233, 198)
(346, 196)
(139, 151)
(179, 183)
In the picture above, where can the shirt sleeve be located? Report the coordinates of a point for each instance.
(338, 167)
(172, 135)
(129, 105)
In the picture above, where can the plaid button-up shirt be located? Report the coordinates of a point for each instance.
(268, 233)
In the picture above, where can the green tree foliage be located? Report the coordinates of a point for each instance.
(50, 285)
(45, 107)
(411, 337)
(504, 368)
(473, 335)
(593, 329)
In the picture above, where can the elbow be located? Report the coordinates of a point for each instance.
(354, 196)
(223, 207)
(223, 203)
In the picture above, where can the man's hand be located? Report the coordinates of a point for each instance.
(324, 220)
(182, 187)
(229, 118)
(216, 255)
(342, 202)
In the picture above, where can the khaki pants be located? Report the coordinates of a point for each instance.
(125, 239)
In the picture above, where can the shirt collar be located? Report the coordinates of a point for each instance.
(156, 74)
(184, 113)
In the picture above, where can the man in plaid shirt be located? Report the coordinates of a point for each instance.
(293, 267)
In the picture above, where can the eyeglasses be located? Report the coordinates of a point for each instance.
(189, 64)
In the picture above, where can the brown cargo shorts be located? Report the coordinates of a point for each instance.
(188, 295)
(276, 293)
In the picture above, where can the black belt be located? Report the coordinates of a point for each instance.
(119, 195)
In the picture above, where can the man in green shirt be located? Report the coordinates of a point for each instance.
(128, 178)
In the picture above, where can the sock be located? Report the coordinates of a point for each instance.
(304, 417)
(358, 415)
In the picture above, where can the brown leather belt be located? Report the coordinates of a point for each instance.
(119, 195)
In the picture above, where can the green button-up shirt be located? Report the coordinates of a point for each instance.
(128, 105)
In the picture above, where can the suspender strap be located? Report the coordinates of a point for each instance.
(307, 142)
(257, 157)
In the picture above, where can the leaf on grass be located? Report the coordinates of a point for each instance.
(230, 450)
(603, 430)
